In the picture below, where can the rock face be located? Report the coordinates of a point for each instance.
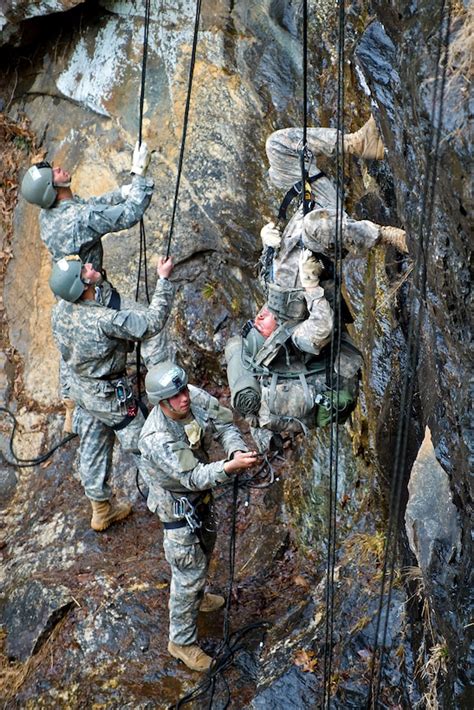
(74, 71)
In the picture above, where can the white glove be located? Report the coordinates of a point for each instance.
(271, 235)
(125, 190)
(310, 269)
(140, 160)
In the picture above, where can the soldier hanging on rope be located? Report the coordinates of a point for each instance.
(278, 370)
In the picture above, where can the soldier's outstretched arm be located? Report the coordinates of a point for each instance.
(177, 469)
(141, 324)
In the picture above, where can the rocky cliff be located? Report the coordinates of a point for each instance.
(84, 616)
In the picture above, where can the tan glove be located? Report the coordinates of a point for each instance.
(271, 235)
(140, 160)
(394, 236)
(310, 269)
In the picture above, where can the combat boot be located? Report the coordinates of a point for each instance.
(67, 426)
(211, 602)
(366, 142)
(395, 236)
(192, 656)
(106, 512)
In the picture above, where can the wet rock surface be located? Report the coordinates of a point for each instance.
(73, 69)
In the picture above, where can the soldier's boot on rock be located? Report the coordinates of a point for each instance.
(106, 512)
(192, 656)
(395, 236)
(70, 406)
(211, 602)
(366, 142)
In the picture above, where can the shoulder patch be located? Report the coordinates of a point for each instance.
(185, 457)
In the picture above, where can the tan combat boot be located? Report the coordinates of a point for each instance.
(106, 512)
(192, 656)
(395, 236)
(67, 426)
(366, 142)
(211, 602)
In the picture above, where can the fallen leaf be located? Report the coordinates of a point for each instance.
(301, 581)
(306, 660)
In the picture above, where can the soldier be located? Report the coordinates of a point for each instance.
(174, 444)
(293, 273)
(279, 388)
(72, 225)
(93, 341)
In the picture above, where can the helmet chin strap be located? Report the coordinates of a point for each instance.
(66, 183)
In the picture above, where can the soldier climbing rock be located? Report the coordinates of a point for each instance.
(93, 341)
(174, 444)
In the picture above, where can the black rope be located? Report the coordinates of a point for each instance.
(413, 346)
(335, 361)
(143, 256)
(185, 124)
(231, 642)
(29, 463)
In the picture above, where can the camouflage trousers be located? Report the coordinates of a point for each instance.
(189, 562)
(97, 444)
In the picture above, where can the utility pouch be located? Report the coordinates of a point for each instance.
(271, 347)
(287, 304)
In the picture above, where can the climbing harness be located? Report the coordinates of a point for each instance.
(416, 309)
(29, 463)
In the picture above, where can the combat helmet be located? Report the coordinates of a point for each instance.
(65, 280)
(165, 380)
(37, 185)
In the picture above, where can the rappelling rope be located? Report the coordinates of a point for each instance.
(143, 255)
(142, 258)
(335, 360)
(413, 345)
(231, 642)
(185, 123)
(28, 463)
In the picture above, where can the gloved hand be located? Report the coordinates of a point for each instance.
(140, 160)
(271, 235)
(395, 236)
(125, 190)
(310, 269)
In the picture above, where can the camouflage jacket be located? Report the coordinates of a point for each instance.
(94, 340)
(76, 226)
(316, 232)
(172, 466)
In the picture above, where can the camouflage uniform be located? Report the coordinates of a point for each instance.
(285, 170)
(76, 226)
(93, 341)
(175, 465)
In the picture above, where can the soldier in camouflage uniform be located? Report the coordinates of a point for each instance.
(174, 443)
(72, 225)
(293, 280)
(93, 341)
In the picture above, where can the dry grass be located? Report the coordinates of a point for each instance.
(461, 51)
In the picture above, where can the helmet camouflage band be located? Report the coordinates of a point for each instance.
(37, 185)
(165, 380)
(65, 280)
